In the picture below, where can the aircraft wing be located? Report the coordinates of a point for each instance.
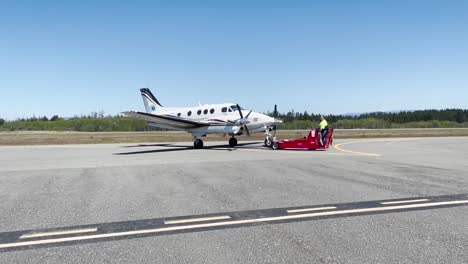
(167, 120)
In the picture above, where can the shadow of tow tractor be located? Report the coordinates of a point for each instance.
(172, 148)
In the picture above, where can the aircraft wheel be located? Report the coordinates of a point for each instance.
(198, 143)
(268, 143)
(232, 142)
(275, 145)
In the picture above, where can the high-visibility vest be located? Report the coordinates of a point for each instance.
(323, 124)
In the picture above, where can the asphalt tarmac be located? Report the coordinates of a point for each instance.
(362, 201)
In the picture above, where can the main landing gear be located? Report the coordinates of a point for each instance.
(198, 143)
(232, 142)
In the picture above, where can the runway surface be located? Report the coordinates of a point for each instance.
(362, 201)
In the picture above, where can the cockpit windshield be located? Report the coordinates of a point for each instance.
(235, 108)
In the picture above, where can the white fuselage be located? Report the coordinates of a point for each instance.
(221, 117)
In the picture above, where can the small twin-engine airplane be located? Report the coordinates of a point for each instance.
(227, 119)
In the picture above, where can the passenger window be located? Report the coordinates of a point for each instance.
(199, 112)
(230, 110)
(212, 111)
(189, 113)
(178, 114)
(205, 111)
(224, 109)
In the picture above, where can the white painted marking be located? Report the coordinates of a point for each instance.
(310, 209)
(192, 220)
(59, 233)
(406, 201)
(226, 223)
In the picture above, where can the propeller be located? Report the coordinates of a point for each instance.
(244, 120)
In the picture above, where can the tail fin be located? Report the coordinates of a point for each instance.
(151, 103)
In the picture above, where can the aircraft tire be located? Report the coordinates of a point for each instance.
(268, 143)
(275, 145)
(198, 143)
(232, 142)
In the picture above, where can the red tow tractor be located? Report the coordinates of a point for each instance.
(311, 142)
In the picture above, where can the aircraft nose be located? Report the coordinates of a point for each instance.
(277, 120)
(274, 120)
(271, 119)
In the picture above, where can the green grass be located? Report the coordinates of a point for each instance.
(119, 124)
(91, 130)
(48, 138)
(106, 124)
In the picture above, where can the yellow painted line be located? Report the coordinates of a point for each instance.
(358, 153)
(59, 233)
(310, 209)
(391, 140)
(337, 154)
(193, 220)
(406, 201)
(226, 223)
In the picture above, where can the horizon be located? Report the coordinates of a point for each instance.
(76, 57)
(104, 114)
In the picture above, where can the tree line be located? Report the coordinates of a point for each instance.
(431, 118)
(99, 122)
(454, 115)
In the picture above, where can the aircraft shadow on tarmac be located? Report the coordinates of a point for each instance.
(150, 145)
(172, 148)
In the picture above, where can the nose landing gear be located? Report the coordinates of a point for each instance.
(270, 136)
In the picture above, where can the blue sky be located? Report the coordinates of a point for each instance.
(75, 57)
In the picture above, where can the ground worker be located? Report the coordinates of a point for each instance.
(323, 129)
